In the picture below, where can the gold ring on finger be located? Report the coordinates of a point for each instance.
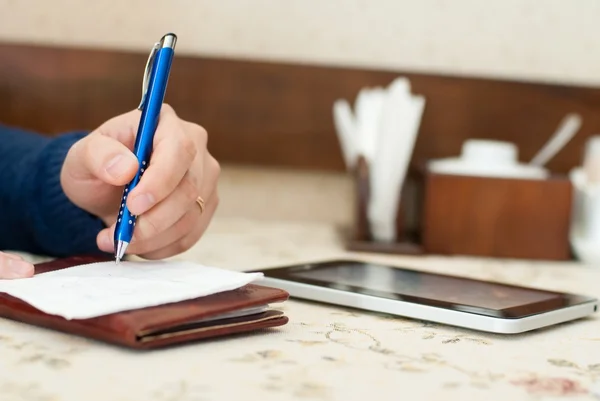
(200, 203)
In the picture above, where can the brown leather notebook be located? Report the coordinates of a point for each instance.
(217, 315)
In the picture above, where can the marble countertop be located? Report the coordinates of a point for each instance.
(324, 352)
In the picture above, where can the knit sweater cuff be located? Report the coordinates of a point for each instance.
(62, 228)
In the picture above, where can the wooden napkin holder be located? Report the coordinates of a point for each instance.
(361, 239)
(497, 217)
(472, 216)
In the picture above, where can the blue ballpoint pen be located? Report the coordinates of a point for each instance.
(154, 86)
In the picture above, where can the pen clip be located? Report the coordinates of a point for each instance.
(147, 71)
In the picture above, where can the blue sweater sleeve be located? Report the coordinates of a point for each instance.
(35, 214)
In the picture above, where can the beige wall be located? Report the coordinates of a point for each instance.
(529, 39)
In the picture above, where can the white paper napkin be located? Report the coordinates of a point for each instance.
(103, 288)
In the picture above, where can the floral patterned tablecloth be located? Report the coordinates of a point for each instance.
(324, 352)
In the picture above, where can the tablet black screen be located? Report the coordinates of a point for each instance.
(482, 297)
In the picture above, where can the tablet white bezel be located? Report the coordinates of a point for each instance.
(418, 311)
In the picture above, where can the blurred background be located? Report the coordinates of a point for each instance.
(553, 40)
(265, 78)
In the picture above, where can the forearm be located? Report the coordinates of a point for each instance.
(37, 216)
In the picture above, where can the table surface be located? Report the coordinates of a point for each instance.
(324, 352)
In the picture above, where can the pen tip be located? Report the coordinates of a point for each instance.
(121, 246)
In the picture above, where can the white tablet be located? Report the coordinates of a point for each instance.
(451, 300)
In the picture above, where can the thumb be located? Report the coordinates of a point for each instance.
(99, 156)
(12, 267)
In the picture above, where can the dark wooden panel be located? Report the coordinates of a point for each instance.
(280, 114)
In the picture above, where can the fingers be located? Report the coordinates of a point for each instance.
(153, 231)
(177, 238)
(169, 211)
(173, 234)
(180, 169)
(176, 145)
(188, 240)
(123, 128)
(102, 157)
(14, 267)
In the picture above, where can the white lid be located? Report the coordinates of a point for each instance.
(489, 152)
(489, 158)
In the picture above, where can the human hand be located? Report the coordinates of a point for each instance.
(180, 170)
(14, 266)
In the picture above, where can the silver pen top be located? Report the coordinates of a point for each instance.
(169, 41)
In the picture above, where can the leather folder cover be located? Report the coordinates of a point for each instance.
(157, 326)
